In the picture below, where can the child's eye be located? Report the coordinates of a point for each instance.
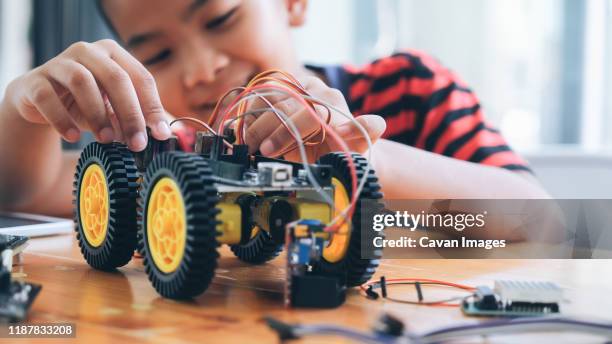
(220, 20)
(157, 58)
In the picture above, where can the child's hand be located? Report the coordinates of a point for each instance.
(92, 86)
(267, 134)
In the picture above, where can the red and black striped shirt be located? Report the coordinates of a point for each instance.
(425, 105)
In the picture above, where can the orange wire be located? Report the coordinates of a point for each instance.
(294, 84)
(202, 123)
(422, 280)
(290, 82)
(425, 280)
(295, 89)
(306, 139)
(335, 136)
(215, 113)
(194, 120)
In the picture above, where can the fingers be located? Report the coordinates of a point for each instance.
(130, 88)
(374, 125)
(82, 85)
(258, 102)
(122, 95)
(113, 118)
(354, 138)
(267, 123)
(271, 137)
(96, 86)
(281, 138)
(47, 102)
(146, 90)
(267, 133)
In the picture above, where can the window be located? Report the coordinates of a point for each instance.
(539, 67)
(15, 55)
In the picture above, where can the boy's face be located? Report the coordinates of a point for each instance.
(199, 49)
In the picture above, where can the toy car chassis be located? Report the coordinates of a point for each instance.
(176, 208)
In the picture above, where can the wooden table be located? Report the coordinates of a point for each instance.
(122, 307)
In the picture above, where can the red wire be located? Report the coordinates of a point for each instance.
(425, 280)
(328, 128)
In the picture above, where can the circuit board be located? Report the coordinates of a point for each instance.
(525, 310)
(17, 300)
(514, 299)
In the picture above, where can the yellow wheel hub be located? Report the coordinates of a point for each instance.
(93, 205)
(339, 242)
(166, 225)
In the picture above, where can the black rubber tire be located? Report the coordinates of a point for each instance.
(352, 269)
(197, 268)
(258, 250)
(121, 175)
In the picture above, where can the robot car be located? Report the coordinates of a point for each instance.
(176, 208)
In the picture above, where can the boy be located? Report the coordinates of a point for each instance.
(179, 57)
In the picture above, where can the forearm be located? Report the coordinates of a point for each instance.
(409, 173)
(31, 159)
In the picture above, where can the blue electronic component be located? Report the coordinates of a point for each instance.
(304, 248)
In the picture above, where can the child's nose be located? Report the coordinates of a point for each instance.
(202, 64)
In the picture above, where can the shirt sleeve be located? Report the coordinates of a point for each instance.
(429, 107)
(454, 124)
